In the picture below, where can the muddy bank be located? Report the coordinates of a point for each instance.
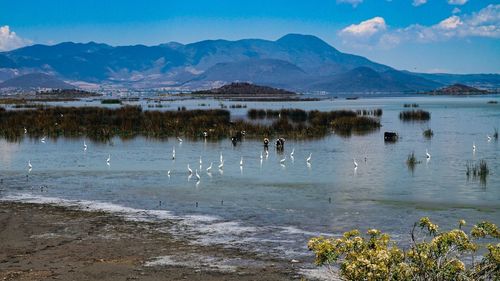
(45, 242)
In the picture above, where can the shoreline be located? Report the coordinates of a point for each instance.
(42, 241)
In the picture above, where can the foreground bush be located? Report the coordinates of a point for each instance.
(433, 254)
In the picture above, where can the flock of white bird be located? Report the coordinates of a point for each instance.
(221, 158)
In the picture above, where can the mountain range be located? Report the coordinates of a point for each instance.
(296, 62)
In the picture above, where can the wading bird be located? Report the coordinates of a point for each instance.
(108, 160)
(282, 161)
(241, 161)
(173, 153)
(189, 170)
(209, 167)
(308, 160)
(197, 175)
(427, 154)
(355, 163)
(473, 147)
(293, 151)
(84, 146)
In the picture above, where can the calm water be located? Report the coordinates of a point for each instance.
(267, 207)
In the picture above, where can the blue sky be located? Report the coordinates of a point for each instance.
(456, 36)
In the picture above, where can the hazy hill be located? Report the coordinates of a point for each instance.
(295, 62)
(457, 90)
(36, 80)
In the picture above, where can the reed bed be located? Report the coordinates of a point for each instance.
(111, 101)
(100, 123)
(411, 161)
(414, 115)
(477, 170)
(370, 112)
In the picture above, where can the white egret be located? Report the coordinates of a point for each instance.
(189, 170)
(473, 146)
(355, 163)
(221, 158)
(293, 151)
(108, 160)
(308, 160)
(42, 140)
(200, 161)
(197, 175)
(84, 146)
(173, 153)
(179, 139)
(221, 165)
(261, 156)
(427, 154)
(488, 137)
(209, 167)
(282, 161)
(25, 131)
(241, 161)
(29, 165)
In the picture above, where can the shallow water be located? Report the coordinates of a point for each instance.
(273, 208)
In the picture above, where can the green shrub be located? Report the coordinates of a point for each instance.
(432, 255)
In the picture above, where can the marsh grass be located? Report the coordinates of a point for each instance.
(411, 161)
(414, 115)
(428, 133)
(100, 123)
(478, 170)
(410, 105)
(238, 105)
(111, 101)
(370, 112)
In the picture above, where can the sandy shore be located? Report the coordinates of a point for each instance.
(45, 242)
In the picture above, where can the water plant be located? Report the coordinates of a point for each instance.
(477, 170)
(373, 112)
(410, 105)
(414, 115)
(101, 123)
(411, 161)
(428, 133)
(111, 101)
(432, 255)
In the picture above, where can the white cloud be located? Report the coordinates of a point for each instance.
(417, 3)
(9, 39)
(365, 28)
(354, 3)
(457, 2)
(450, 23)
(375, 33)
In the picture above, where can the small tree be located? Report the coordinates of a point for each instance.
(433, 255)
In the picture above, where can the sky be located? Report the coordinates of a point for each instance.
(453, 36)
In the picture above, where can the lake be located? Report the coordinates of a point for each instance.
(267, 207)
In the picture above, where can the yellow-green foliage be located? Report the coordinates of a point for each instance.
(434, 255)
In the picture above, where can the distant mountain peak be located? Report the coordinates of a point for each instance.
(304, 41)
